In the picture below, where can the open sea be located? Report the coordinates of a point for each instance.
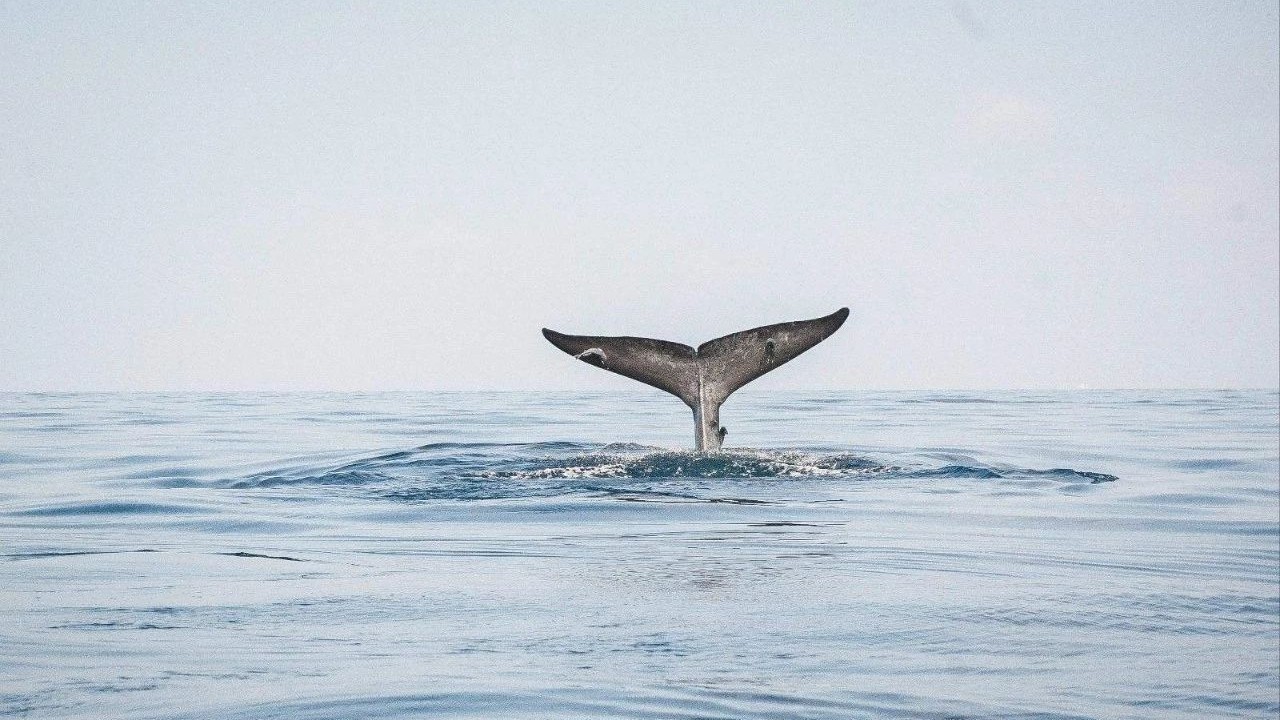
(1073, 554)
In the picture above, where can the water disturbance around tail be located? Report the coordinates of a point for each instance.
(1050, 555)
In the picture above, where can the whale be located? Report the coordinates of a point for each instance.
(705, 376)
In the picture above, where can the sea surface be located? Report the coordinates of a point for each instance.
(1075, 554)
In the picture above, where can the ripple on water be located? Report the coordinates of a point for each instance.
(478, 471)
(708, 702)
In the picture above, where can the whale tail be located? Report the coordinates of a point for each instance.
(703, 378)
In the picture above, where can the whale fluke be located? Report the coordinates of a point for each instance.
(703, 378)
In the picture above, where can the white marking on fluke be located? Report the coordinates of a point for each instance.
(704, 377)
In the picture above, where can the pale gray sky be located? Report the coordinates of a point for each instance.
(400, 195)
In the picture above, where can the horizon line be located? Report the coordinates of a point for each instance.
(247, 391)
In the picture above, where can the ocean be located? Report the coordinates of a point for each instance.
(1014, 554)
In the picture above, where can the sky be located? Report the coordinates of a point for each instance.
(386, 196)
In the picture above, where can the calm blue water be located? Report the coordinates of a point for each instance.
(546, 555)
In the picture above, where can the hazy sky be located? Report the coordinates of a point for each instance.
(399, 196)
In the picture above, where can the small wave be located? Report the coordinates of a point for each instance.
(958, 471)
(115, 625)
(31, 414)
(954, 400)
(696, 702)
(1208, 464)
(1068, 474)
(107, 508)
(337, 477)
(244, 554)
(71, 553)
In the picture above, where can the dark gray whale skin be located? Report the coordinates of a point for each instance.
(704, 377)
